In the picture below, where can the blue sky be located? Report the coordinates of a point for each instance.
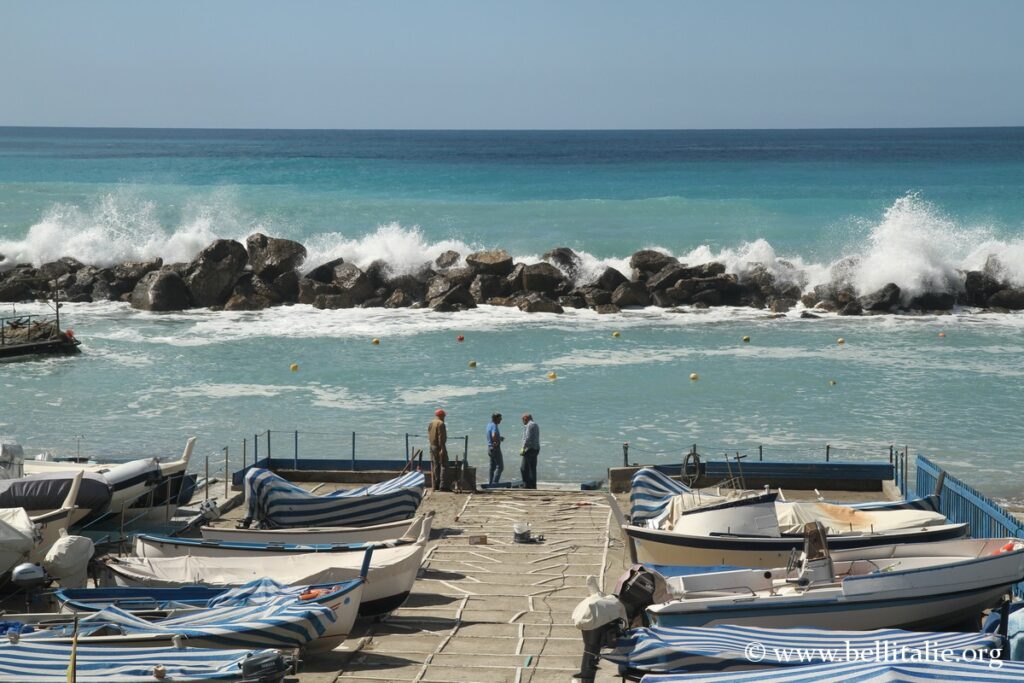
(515, 64)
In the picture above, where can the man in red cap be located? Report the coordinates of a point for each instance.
(437, 435)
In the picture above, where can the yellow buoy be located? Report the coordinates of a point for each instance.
(294, 367)
(942, 334)
(832, 382)
(840, 341)
(746, 338)
(472, 363)
(552, 375)
(615, 333)
(694, 376)
(375, 341)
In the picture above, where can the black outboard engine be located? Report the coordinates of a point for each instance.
(638, 589)
(265, 667)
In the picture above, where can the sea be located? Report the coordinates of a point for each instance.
(910, 206)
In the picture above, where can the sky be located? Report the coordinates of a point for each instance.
(519, 64)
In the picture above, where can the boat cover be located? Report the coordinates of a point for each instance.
(130, 473)
(17, 532)
(839, 519)
(47, 492)
(861, 672)
(667, 649)
(276, 502)
(281, 623)
(304, 569)
(40, 662)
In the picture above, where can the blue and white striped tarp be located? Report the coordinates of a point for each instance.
(280, 623)
(276, 502)
(40, 662)
(717, 648)
(862, 672)
(651, 492)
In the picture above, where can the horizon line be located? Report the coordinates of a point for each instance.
(510, 130)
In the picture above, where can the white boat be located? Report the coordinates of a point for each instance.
(27, 538)
(340, 534)
(391, 575)
(746, 532)
(894, 586)
(167, 546)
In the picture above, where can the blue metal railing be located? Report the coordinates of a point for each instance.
(961, 503)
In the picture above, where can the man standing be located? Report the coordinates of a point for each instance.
(531, 447)
(494, 439)
(437, 434)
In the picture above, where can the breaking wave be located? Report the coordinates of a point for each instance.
(914, 245)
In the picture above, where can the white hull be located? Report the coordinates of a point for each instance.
(356, 534)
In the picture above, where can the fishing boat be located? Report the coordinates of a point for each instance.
(27, 538)
(354, 534)
(147, 545)
(747, 532)
(390, 579)
(727, 647)
(900, 670)
(275, 502)
(893, 586)
(38, 661)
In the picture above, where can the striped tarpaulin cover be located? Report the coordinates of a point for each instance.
(276, 502)
(862, 672)
(691, 649)
(35, 661)
(280, 623)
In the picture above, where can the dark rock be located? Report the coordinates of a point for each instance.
(567, 260)
(542, 277)
(714, 291)
(130, 272)
(662, 299)
(273, 256)
(247, 302)
(933, 301)
(594, 296)
(535, 302)
(994, 268)
(631, 294)
(502, 301)
(758, 277)
(646, 262)
(442, 283)
(1009, 298)
(607, 308)
(809, 300)
(704, 270)
(979, 288)
(353, 283)
(15, 291)
(161, 290)
(378, 273)
(460, 276)
(286, 285)
(309, 290)
(610, 279)
(515, 278)
(82, 298)
(413, 285)
(374, 302)
(827, 305)
(447, 259)
(457, 298)
(852, 308)
(809, 315)
(333, 301)
(325, 273)
(667, 276)
(398, 299)
(486, 287)
(212, 274)
(885, 299)
(781, 304)
(252, 293)
(491, 262)
(62, 266)
(572, 301)
(708, 297)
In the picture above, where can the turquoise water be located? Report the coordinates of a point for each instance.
(912, 205)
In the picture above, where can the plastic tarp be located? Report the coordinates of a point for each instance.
(47, 492)
(17, 532)
(597, 609)
(67, 560)
(839, 519)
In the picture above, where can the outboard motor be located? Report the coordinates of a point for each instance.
(265, 667)
(638, 589)
(601, 617)
(30, 578)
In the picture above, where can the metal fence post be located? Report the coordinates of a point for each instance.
(353, 451)
(625, 454)
(167, 503)
(296, 454)
(828, 451)
(206, 482)
(227, 476)
(465, 449)
(269, 455)
(760, 452)
(244, 454)
(407, 447)
(255, 448)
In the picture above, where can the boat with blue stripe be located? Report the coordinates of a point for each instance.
(933, 669)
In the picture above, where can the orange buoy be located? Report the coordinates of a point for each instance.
(294, 367)
(942, 334)
(552, 375)
(460, 338)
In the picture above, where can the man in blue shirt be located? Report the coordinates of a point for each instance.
(494, 439)
(530, 450)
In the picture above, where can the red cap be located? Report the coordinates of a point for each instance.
(440, 412)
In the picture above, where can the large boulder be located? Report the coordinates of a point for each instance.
(212, 274)
(852, 308)
(610, 279)
(1009, 298)
(286, 285)
(398, 299)
(491, 262)
(15, 291)
(442, 283)
(565, 259)
(979, 287)
(594, 296)
(354, 283)
(325, 271)
(572, 301)
(515, 278)
(161, 290)
(885, 299)
(713, 291)
(62, 266)
(605, 309)
(933, 301)
(124, 276)
(412, 285)
(456, 298)
(536, 302)
(309, 290)
(631, 294)
(646, 262)
(485, 287)
(273, 256)
(447, 259)
(781, 304)
(542, 277)
(668, 276)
